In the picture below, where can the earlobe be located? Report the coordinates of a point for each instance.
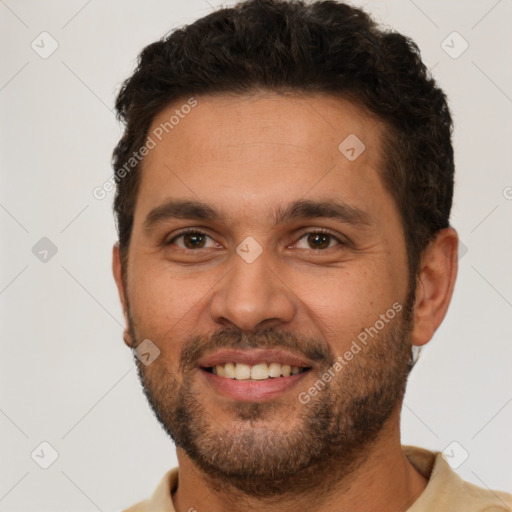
(117, 271)
(436, 280)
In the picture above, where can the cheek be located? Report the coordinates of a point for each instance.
(162, 303)
(344, 302)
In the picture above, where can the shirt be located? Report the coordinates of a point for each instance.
(445, 491)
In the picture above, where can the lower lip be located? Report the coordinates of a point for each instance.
(253, 390)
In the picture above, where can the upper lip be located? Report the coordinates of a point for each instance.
(253, 357)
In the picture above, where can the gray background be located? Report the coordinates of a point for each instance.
(66, 376)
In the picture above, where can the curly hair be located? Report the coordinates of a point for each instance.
(320, 47)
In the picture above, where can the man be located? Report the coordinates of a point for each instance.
(284, 186)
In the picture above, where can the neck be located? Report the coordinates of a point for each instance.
(383, 479)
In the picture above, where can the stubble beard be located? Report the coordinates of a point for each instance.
(328, 437)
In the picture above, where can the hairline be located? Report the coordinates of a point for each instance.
(387, 139)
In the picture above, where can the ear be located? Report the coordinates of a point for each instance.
(436, 280)
(117, 270)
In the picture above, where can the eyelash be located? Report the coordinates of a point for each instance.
(312, 232)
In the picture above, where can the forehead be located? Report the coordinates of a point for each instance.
(254, 151)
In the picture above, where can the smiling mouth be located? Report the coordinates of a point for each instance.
(260, 371)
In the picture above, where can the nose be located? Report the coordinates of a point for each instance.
(252, 297)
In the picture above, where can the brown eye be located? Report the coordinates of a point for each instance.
(317, 241)
(192, 240)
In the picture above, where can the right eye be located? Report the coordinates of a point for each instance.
(192, 240)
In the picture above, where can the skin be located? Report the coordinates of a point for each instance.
(245, 156)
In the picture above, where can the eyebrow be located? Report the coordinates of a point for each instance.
(300, 209)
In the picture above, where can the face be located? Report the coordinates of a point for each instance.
(268, 265)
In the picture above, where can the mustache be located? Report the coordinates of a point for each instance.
(314, 350)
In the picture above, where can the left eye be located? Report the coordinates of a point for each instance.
(318, 240)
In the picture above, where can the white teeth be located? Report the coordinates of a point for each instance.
(242, 371)
(260, 371)
(274, 370)
(229, 370)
